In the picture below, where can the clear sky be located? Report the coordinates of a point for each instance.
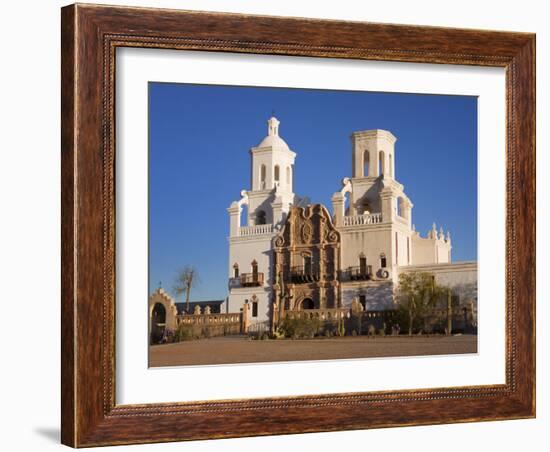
(199, 142)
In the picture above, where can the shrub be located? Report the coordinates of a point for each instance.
(186, 332)
(300, 328)
(278, 334)
(356, 323)
(168, 336)
(371, 330)
(341, 329)
(259, 336)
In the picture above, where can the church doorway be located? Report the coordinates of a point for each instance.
(307, 303)
(158, 323)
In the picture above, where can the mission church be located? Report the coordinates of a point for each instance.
(289, 255)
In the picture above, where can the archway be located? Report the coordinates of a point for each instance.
(243, 219)
(381, 163)
(262, 177)
(399, 206)
(260, 217)
(307, 303)
(347, 203)
(366, 164)
(158, 323)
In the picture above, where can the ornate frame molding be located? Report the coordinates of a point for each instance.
(90, 36)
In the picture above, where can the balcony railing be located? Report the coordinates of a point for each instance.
(360, 220)
(359, 273)
(251, 279)
(259, 229)
(303, 274)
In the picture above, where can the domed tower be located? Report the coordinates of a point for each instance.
(268, 202)
(272, 177)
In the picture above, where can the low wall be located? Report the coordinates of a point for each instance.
(321, 314)
(216, 324)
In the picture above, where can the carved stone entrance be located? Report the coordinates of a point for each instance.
(307, 258)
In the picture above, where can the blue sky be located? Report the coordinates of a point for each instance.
(199, 141)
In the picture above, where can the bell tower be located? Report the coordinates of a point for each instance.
(373, 154)
(272, 161)
(271, 192)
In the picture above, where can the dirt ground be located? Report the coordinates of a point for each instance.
(239, 349)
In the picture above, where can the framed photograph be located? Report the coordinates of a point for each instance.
(282, 225)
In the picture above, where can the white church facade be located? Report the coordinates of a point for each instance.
(286, 254)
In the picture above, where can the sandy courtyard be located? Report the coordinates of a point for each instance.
(238, 349)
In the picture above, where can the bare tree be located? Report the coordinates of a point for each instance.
(186, 279)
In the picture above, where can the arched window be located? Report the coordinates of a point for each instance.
(383, 262)
(362, 264)
(235, 270)
(347, 198)
(399, 206)
(260, 217)
(366, 164)
(276, 172)
(307, 303)
(254, 266)
(288, 175)
(243, 220)
(381, 163)
(254, 306)
(308, 264)
(262, 177)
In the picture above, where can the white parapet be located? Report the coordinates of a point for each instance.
(259, 229)
(359, 220)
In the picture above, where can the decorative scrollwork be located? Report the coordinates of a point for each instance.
(307, 233)
(333, 236)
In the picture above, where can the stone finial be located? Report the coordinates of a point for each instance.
(449, 236)
(432, 234)
(197, 310)
(207, 310)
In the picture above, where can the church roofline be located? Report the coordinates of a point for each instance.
(268, 149)
(375, 133)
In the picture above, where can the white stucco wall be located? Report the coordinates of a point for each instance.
(242, 251)
(372, 242)
(423, 251)
(378, 294)
(400, 248)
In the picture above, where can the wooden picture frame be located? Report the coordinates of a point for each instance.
(90, 36)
